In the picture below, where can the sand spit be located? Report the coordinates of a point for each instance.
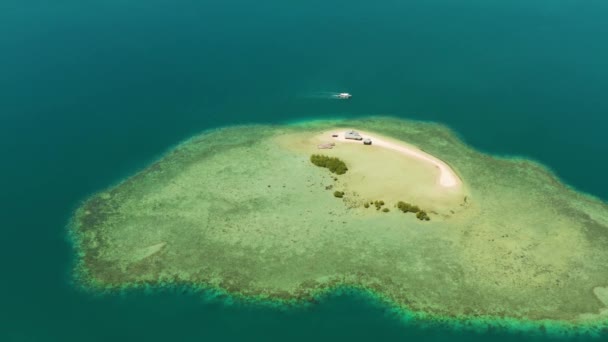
(447, 177)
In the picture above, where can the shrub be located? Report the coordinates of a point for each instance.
(422, 215)
(339, 194)
(407, 208)
(366, 205)
(386, 210)
(378, 204)
(334, 164)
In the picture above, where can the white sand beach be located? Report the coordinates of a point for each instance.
(447, 177)
(388, 170)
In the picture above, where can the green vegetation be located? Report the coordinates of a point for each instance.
(334, 164)
(366, 205)
(386, 210)
(410, 208)
(422, 215)
(339, 194)
(407, 207)
(378, 204)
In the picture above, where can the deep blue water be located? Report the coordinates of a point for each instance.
(92, 91)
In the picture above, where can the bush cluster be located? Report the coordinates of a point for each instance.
(407, 208)
(410, 208)
(422, 215)
(339, 194)
(377, 204)
(334, 164)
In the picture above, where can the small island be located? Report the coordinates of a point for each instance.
(407, 212)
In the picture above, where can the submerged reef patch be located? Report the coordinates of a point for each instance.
(244, 210)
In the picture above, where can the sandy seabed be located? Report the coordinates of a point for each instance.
(244, 210)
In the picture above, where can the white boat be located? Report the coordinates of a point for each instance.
(344, 96)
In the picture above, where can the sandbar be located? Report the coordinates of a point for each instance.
(447, 177)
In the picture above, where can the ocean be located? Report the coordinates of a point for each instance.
(93, 91)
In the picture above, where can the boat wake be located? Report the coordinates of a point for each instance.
(329, 95)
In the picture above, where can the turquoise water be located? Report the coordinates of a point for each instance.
(90, 92)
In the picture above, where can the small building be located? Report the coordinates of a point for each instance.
(367, 141)
(354, 135)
